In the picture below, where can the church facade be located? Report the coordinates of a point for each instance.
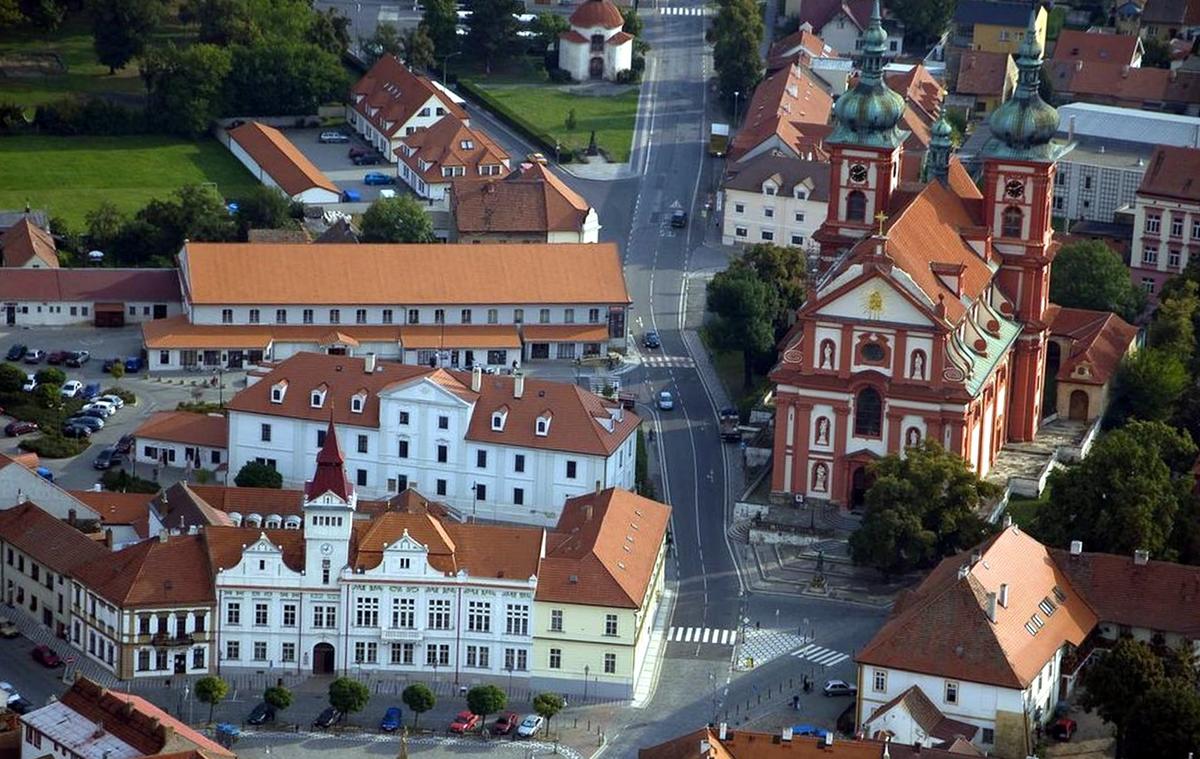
(928, 319)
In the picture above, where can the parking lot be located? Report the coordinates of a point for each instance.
(334, 160)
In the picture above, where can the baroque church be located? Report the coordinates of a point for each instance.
(930, 315)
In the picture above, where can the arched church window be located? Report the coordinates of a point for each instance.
(856, 206)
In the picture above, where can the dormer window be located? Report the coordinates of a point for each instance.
(542, 428)
(278, 390)
(318, 397)
(357, 402)
(769, 189)
(499, 417)
(467, 144)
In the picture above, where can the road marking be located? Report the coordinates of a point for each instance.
(707, 631)
(702, 635)
(683, 362)
(826, 657)
(683, 11)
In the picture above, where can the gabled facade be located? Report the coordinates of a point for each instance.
(1166, 223)
(391, 102)
(431, 159)
(25, 245)
(531, 205)
(843, 25)
(774, 198)
(596, 46)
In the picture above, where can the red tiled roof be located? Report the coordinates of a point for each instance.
(818, 13)
(1121, 84)
(1099, 340)
(799, 47)
(26, 242)
(594, 13)
(91, 285)
(745, 744)
(154, 572)
(395, 94)
(981, 72)
(209, 430)
(530, 199)
(450, 143)
(1173, 173)
(47, 539)
(1078, 45)
(280, 159)
(925, 714)
(119, 508)
(224, 546)
(620, 38)
(573, 36)
(920, 90)
(786, 104)
(482, 550)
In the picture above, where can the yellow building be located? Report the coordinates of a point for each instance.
(598, 590)
(995, 26)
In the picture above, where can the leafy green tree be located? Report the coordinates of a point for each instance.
(121, 28)
(1125, 495)
(278, 696)
(924, 20)
(486, 699)
(10, 14)
(44, 15)
(398, 219)
(571, 122)
(418, 48)
(1174, 327)
(12, 378)
(330, 31)
(441, 24)
(736, 35)
(211, 690)
(104, 223)
(745, 308)
(492, 30)
(1156, 54)
(48, 396)
(1088, 274)
(117, 371)
(282, 78)
(185, 86)
(385, 41)
(250, 22)
(784, 270)
(193, 212)
(633, 22)
(1168, 723)
(51, 375)
(1148, 385)
(419, 699)
(1114, 684)
(348, 695)
(548, 705)
(256, 475)
(548, 27)
(922, 507)
(264, 207)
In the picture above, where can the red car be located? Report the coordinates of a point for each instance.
(13, 429)
(46, 657)
(464, 722)
(1063, 729)
(506, 723)
(56, 357)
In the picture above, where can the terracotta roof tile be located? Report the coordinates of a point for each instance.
(460, 336)
(119, 508)
(620, 38)
(920, 90)
(1121, 84)
(927, 715)
(178, 332)
(91, 285)
(26, 242)
(208, 430)
(389, 95)
(224, 546)
(573, 36)
(482, 550)
(1099, 340)
(47, 539)
(152, 573)
(788, 172)
(800, 47)
(790, 95)
(594, 13)
(530, 199)
(450, 143)
(1157, 595)
(524, 274)
(975, 649)
(745, 744)
(818, 13)
(604, 550)
(1173, 173)
(985, 73)
(1078, 45)
(280, 159)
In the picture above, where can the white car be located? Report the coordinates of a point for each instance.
(71, 388)
(30, 384)
(530, 726)
(107, 408)
(666, 401)
(112, 400)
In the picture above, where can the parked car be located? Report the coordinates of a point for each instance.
(13, 429)
(652, 340)
(262, 713)
(367, 159)
(327, 718)
(679, 219)
(464, 722)
(90, 390)
(1063, 728)
(8, 629)
(34, 356)
(377, 177)
(107, 459)
(391, 720)
(113, 400)
(71, 388)
(505, 723)
(81, 431)
(840, 688)
(666, 401)
(15, 702)
(125, 444)
(30, 383)
(15, 352)
(133, 364)
(97, 405)
(355, 152)
(93, 423)
(99, 415)
(108, 364)
(56, 357)
(45, 656)
(351, 196)
(332, 136)
(530, 726)
(78, 358)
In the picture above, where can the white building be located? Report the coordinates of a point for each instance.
(102, 296)
(1166, 218)
(276, 162)
(775, 199)
(431, 159)
(19, 483)
(500, 447)
(390, 102)
(183, 440)
(596, 46)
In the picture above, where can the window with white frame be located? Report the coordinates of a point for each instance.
(233, 649)
(479, 616)
(610, 625)
(478, 656)
(879, 680)
(287, 652)
(1153, 223)
(366, 652)
(439, 614)
(402, 653)
(555, 658)
(366, 611)
(516, 619)
(610, 664)
(260, 650)
(1150, 254)
(1173, 258)
(740, 232)
(233, 613)
(404, 613)
(556, 620)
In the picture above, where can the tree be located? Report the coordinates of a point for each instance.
(12, 378)
(104, 224)
(1174, 327)
(398, 219)
(1156, 53)
(736, 35)
(1125, 495)
(1148, 385)
(419, 699)
(282, 78)
(44, 15)
(1168, 721)
(571, 122)
(1114, 683)
(278, 697)
(922, 507)
(441, 24)
(1088, 274)
(185, 86)
(385, 41)
(117, 371)
(211, 690)
(10, 14)
(547, 27)
(256, 475)
(48, 396)
(348, 695)
(744, 306)
(264, 208)
(633, 22)
(330, 31)
(492, 29)
(785, 271)
(486, 699)
(121, 28)
(51, 375)
(924, 20)
(418, 48)
(547, 705)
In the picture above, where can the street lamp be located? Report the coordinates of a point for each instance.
(510, 671)
(586, 670)
(445, 63)
(557, 146)
(736, 95)
(474, 500)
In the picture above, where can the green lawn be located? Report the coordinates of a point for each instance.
(72, 43)
(69, 176)
(1024, 510)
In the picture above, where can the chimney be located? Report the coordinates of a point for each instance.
(786, 735)
(722, 730)
(108, 538)
(963, 571)
(1076, 547)
(991, 607)
(887, 753)
(476, 379)
(975, 557)
(162, 535)
(1071, 129)
(1003, 597)
(369, 363)
(1141, 557)
(598, 488)
(71, 517)
(1007, 521)
(519, 385)
(1125, 71)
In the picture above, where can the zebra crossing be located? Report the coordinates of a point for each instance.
(826, 657)
(676, 361)
(702, 635)
(683, 11)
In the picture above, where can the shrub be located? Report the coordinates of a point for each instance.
(125, 395)
(91, 116)
(200, 407)
(54, 446)
(629, 76)
(256, 475)
(639, 63)
(120, 481)
(559, 76)
(51, 375)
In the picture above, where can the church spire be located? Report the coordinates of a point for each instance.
(1024, 125)
(868, 114)
(941, 146)
(330, 476)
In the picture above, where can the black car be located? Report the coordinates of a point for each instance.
(76, 430)
(83, 420)
(109, 363)
(262, 713)
(20, 706)
(94, 413)
(125, 444)
(16, 352)
(369, 159)
(107, 459)
(679, 219)
(78, 358)
(327, 718)
(652, 340)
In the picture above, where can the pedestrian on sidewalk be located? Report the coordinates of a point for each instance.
(796, 702)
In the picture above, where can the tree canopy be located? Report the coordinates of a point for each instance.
(745, 307)
(486, 699)
(211, 690)
(256, 475)
(278, 696)
(441, 24)
(121, 28)
(419, 699)
(1148, 385)
(924, 20)
(398, 219)
(282, 77)
(264, 207)
(1088, 274)
(185, 86)
(348, 695)
(492, 29)
(785, 271)
(548, 705)
(736, 35)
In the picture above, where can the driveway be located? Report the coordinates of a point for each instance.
(334, 160)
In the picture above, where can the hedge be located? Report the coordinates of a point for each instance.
(516, 122)
(125, 395)
(55, 446)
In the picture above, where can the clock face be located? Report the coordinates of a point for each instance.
(858, 173)
(1014, 189)
(326, 548)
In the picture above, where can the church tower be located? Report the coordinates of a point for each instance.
(1018, 188)
(329, 506)
(864, 148)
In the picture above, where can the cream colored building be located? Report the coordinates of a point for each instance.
(775, 199)
(599, 588)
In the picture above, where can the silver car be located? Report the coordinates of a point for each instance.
(530, 726)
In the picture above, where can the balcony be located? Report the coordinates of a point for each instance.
(163, 640)
(401, 634)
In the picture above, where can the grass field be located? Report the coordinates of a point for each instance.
(69, 176)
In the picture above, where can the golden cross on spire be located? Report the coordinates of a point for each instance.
(881, 217)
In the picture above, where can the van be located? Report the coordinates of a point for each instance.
(387, 193)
